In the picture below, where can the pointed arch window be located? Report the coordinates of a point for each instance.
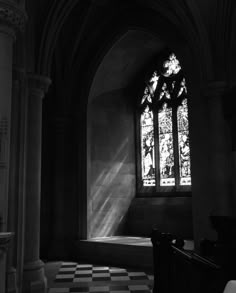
(164, 149)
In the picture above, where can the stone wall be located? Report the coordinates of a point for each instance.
(111, 163)
(170, 215)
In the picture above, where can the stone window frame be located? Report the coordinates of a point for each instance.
(157, 190)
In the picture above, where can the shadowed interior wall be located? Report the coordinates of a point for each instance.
(111, 163)
(112, 206)
(173, 215)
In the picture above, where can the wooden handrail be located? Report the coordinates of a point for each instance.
(194, 257)
(183, 271)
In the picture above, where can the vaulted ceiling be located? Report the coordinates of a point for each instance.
(73, 33)
(127, 57)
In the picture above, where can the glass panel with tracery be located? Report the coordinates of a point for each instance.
(171, 65)
(166, 149)
(147, 148)
(183, 144)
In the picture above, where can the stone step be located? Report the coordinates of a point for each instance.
(117, 251)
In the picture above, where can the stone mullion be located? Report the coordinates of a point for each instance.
(175, 146)
(156, 149)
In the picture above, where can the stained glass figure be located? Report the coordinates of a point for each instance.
(153, 83)
(183, 144)
(173, 85)
(150, 88)
(183, 88)
(166, 150)
(164, 92)
(147, 148)
(146, 96)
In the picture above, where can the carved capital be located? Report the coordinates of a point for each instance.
(38, 84)
(5, 238)
(12, 16)
(34, 265)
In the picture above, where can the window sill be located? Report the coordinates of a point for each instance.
(164, 194)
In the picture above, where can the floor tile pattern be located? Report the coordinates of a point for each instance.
(84, 278)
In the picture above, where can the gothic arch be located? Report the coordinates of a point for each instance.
(85, 66)
(232, 48)
(57, 16)
(185, 16)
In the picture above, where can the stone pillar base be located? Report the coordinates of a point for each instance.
(11, 281)
(34, 280)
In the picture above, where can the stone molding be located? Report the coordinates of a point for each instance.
(12, 15)
(5, 238)
(34, 265)
(38, 84)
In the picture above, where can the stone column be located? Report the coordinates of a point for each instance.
(12, 19)
(34, 279)
(219, 151)
(211, 161)
(233, 153)
(6, 40)
(4, 243)
(228, 101)
(58, 244)
(16, 194)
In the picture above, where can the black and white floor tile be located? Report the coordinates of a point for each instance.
(84, 278)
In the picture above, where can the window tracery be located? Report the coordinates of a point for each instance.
(164, 129)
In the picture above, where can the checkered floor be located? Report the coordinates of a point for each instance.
(73, 277)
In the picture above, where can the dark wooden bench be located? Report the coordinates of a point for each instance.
(179, 270)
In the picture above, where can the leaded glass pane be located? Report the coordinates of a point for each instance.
(146, 96)
(150, 88)
(153, 82)
(183, 88)
(183, 142)
(147, 148)
(164, 92)
(166, 150)
(171, 65)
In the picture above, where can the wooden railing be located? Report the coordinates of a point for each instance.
(177, 270)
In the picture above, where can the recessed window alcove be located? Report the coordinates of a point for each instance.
(113, 207)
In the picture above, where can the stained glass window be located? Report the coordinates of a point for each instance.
(147, 148)
(183, 144)
(164, 128)
(166, 151)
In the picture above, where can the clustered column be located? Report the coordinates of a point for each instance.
(12, 20)
(219, 159)
(34, 279)
(229, 113)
